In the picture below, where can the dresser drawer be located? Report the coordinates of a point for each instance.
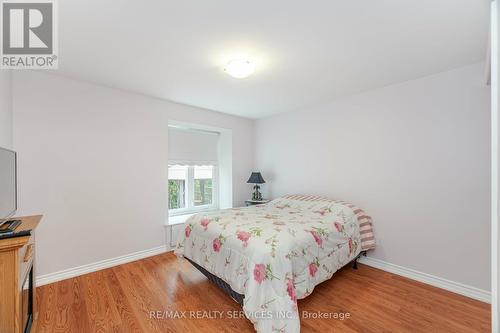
(26, 254)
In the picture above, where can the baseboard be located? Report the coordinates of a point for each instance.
(456, 287)
(96, 266)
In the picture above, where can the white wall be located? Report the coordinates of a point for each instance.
(495, 185)
(93, 160)
(416, 156)
(5, 109)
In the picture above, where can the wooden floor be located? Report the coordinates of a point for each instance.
(121, 298)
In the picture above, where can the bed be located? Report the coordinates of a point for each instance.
(268, 256)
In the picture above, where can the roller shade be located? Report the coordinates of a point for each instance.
(192, 147)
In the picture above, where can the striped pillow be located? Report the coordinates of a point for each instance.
(365, 221)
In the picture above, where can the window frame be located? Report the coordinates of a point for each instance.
(189, 193)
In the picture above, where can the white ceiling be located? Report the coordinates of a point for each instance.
(306, 52)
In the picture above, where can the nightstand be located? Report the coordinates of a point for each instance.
(256, 202)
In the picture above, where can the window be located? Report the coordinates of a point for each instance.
(177, 178)
(191, 188)
(193, 156)
(203, 185)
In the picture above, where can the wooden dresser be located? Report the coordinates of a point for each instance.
(17, 278)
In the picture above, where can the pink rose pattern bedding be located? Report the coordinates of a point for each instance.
(277, 253)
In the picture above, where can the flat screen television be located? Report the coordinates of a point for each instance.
(8, 184)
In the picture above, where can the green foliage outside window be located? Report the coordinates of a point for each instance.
(202, 192)
(175, 194)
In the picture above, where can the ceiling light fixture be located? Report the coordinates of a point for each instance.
(239, 68)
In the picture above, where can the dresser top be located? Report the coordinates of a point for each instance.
(27, 223)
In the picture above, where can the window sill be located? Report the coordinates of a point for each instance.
(180, 219)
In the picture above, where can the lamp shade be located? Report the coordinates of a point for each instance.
(256, 178)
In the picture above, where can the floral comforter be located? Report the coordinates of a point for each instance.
(276, 253)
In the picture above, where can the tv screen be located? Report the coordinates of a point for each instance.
(8, 186)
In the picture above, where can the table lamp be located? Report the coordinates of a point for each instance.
(256, 178)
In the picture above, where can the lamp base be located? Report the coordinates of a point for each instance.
(256, 194)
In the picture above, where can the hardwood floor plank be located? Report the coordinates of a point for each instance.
(79, 307)
(129, 322)
(44, 319)
(120, 299)
(65, 316)
(96, 303)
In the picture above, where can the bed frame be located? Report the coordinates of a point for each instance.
(238, 298)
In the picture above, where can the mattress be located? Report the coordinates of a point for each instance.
(277, 253)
